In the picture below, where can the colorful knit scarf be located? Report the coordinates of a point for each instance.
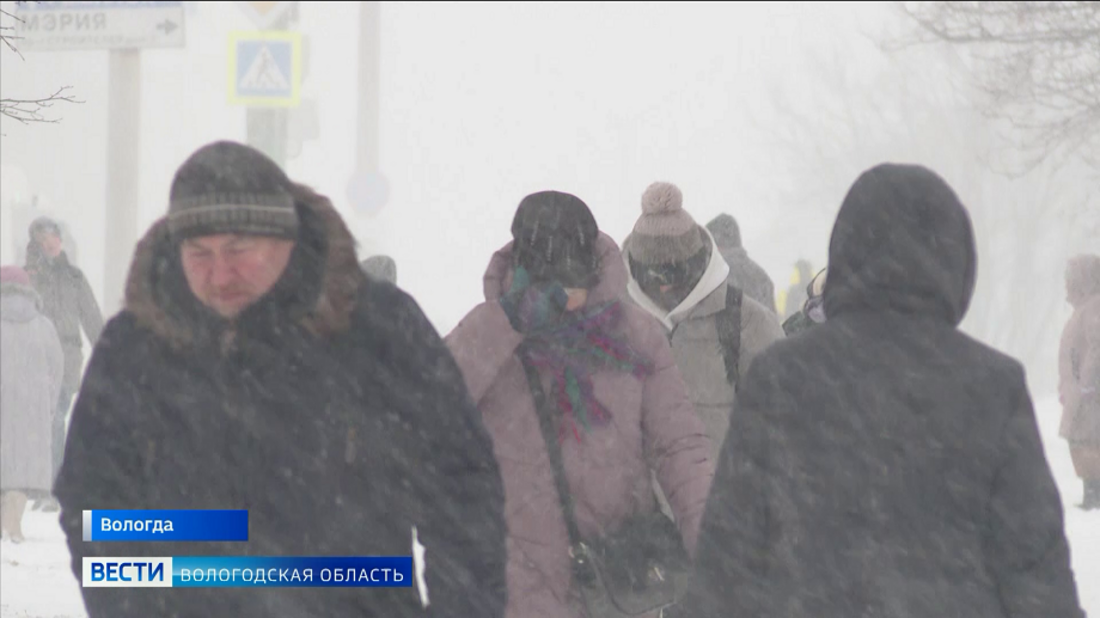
(573, 350)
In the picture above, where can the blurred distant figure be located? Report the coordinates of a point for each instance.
(31, 368)
(744, 272)
(68, 301)
(22, 217)
(1079, 374)
(883, 463)
(795, 296)
(813, 310)
(380, 267)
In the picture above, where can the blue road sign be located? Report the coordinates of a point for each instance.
(265, 68)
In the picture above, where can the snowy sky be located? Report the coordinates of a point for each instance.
(482, 103)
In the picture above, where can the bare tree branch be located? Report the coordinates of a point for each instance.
(837, 120)
(30, 110)
(27, 111)
(1036, 63)
(6, 33)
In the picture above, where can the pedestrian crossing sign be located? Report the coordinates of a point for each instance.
(265, 68)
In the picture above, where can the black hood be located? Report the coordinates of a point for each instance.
(726, 232)
(903, 243)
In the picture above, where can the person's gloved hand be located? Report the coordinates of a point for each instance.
(533, 307)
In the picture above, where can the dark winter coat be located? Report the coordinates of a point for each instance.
(883, 464)
(68, 301)
(744, 272)
(653, 428)
(31, 365)
(333, 412)
(1079, 355)
(797, 323)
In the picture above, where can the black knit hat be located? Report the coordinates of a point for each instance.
(44, 224)
(555, 239)
(230, 188)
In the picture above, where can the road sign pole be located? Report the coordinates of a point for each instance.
(123, 169)
(368, 188)
(266, 128)
(369, 77)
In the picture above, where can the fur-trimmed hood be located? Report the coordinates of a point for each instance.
(318, 290)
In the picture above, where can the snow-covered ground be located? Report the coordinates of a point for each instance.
(35, 580)
(1083, 529)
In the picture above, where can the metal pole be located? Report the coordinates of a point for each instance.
(123, 172)
(267, 128)
(366, 159)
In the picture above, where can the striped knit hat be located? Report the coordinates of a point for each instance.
(230, 188)
(665, 233)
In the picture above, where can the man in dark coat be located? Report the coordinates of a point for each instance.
(256, 367)
(68, 301)
(882, 463)
(744, 272)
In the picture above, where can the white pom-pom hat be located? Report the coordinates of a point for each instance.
(665, 233)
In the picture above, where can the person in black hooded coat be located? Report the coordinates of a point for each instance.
(68, 301)
(883, 464)
(744, 272)
(328, 407)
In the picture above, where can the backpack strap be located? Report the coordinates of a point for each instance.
(729, 334)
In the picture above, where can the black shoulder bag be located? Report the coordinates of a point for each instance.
(639, 569)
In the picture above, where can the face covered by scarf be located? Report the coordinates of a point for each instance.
(572, 346)
(669, 284)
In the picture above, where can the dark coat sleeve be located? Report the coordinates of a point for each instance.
(1026, 547)
(461, 519)
(91, 318)
(732, 561)
(104, 463)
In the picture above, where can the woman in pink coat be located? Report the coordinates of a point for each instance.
(1079, 374)
(621, 408)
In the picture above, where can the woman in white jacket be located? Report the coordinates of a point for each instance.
(30, 380)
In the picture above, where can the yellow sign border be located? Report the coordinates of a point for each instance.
(295, 39)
